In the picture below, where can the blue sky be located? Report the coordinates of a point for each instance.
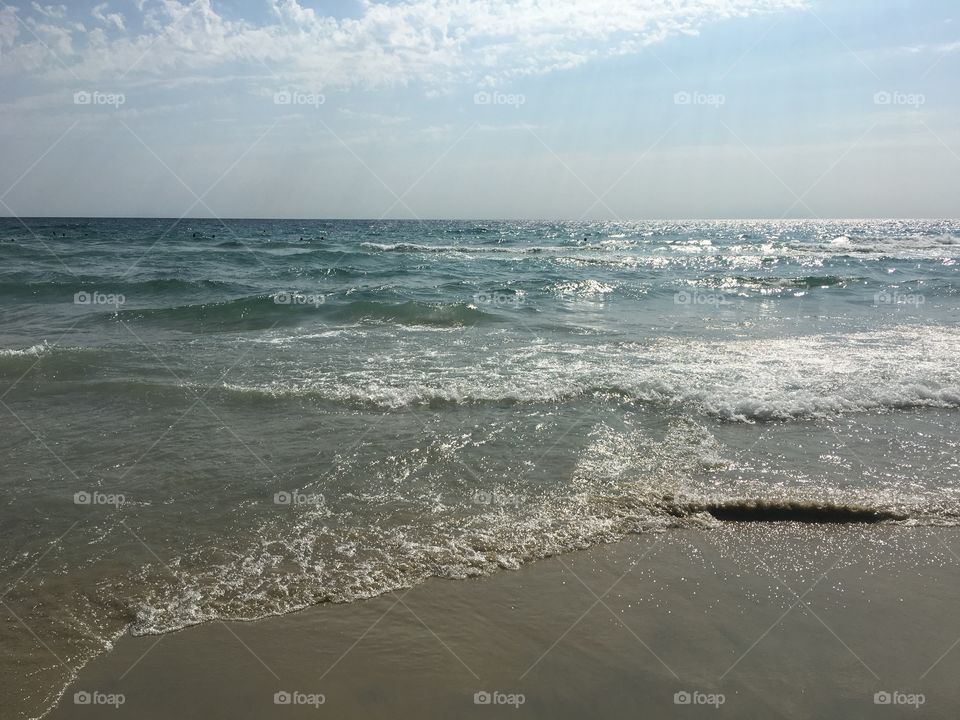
(608, 109)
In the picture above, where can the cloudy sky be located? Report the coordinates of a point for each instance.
(600, 109)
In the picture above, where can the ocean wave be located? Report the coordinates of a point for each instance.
(583, 288)
(259, 587)
(60, 361)
(419, 248)
(32, 351)
(64, 287)
(624, 481)
(946, 239)
(756, 409)
(406, 247)
(739, 381)
(293, 308)
(762, 282)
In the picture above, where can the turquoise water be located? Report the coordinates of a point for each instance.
(234, 419)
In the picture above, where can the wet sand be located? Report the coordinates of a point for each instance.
(749, 620)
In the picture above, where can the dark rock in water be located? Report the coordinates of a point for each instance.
(808, 512)
(757, 510)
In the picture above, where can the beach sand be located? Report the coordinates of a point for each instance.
(750, 620)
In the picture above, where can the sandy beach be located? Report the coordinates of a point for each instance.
(764, 620)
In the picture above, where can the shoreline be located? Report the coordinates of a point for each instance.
(780, 619)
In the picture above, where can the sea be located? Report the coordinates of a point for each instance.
(208, 420)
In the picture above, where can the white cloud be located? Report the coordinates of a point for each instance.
(938, 49)
(9, 27)
(54, 12)
(434, 43)
(110, 19)
(378, 118)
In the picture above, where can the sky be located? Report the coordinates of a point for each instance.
(544, 109)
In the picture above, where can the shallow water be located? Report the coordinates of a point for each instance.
(232, 420)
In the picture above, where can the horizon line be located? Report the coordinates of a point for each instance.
(473, 219)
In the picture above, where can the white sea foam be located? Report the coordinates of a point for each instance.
(624, 480)
(741, 380)
(34, 350)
